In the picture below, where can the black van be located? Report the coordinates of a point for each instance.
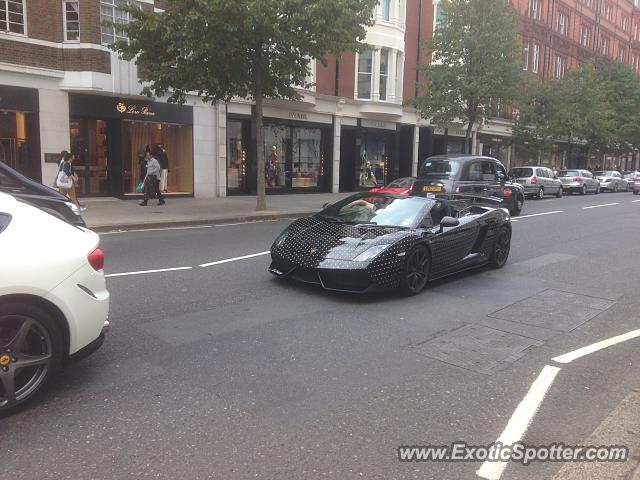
(471, 175)
(34, 193)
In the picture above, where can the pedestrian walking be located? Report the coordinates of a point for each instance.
(152, 181)
(67, 178)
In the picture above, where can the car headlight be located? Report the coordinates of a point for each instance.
(371, 253)
(281, 239)
(74, 208)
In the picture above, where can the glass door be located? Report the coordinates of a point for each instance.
(90, 150)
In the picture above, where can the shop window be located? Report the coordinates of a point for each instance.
(374, 160)
(277, 139)
(307, 158)
(172, 143)
(12, 16)
(384, 73)
(71, 21)
(111, 13)
(236, 156)
(365, 74)
(18, 142)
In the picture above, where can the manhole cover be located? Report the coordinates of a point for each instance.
(554, 309)
(477, 348)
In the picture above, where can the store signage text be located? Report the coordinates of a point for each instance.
(133, 109)
(298, 115)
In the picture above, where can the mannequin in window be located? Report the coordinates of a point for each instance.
(367, 177)
(272, 168)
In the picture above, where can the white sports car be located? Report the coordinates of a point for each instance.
(53, 298)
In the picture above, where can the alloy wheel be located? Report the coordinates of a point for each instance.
(417, 270)
(541, 193)
(25, 358)
(501, 248)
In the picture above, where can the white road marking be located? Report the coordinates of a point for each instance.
(634, 201)
(539, 214)
(581, 352)
(192, 227)
(142, 272)
(598, 206)
(234, 259)
(520, 420)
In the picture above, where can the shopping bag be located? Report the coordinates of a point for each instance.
(140, 187)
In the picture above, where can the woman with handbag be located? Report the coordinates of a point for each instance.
(66, 180)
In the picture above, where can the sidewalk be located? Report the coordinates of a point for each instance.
(110, 213)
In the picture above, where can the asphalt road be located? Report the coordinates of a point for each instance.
(224, 372)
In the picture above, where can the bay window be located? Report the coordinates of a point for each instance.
(365, 74)
(384, 73)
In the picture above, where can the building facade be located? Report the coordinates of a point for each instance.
(62, 88)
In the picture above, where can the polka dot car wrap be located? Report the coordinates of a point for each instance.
(314, 250)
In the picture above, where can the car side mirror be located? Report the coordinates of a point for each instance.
(448, 222)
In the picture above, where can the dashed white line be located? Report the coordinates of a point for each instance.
(581, 352)
(143, 272)
(210, 264)
(603, 205)
(192, 227)
(540, 214)
(520, 420)
(634, 201)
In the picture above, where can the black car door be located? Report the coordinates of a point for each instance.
(451, 245)
(470, 181)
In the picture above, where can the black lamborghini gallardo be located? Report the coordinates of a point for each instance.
(372, 241)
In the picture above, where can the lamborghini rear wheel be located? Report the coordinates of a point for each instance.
(416, 270)
(501, 248)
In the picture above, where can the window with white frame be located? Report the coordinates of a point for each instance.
(625, 24)
(402, 7)
(365, 74)
(534, 9)
(604, 46)
(384, 73)
(535, 63)
(560, 66)
(399, 79)
(608, 11)
(622, 54)
(585, 36)
(111, 16)
(526, 46)
(386, 10)
(12, 16)
(71, 21)
(563, 23)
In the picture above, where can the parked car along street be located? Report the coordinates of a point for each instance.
(630, 176)
(469, 174)
(399, 186)
(611, 181)
(50, 317)
(537, 181)
(578, 181)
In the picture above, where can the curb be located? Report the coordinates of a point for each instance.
(186, 223)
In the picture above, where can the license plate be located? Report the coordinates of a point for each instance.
(432, 188)
(521, 182)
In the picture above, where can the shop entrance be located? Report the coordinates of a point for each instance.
(91, 156)
(18, 143)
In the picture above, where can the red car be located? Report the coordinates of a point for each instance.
(400, 186)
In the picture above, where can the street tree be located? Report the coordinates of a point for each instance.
(254, 49)
(474, 63)
(622, 88)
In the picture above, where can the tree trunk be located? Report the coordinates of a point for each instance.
(262, 199)
(467, 136)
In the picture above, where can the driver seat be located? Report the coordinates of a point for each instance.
(440, 210)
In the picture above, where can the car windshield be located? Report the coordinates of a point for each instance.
(568, 173)
(630, 174)
(400, 183)
(377, 209)
(521, 172)
(603, 173)
(439, 168)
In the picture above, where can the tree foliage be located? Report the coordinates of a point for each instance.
(252, 49)
(474, 65)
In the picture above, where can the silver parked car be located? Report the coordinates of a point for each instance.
(611, 180)
(537, 181)
(578, 180)
(631, 176)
